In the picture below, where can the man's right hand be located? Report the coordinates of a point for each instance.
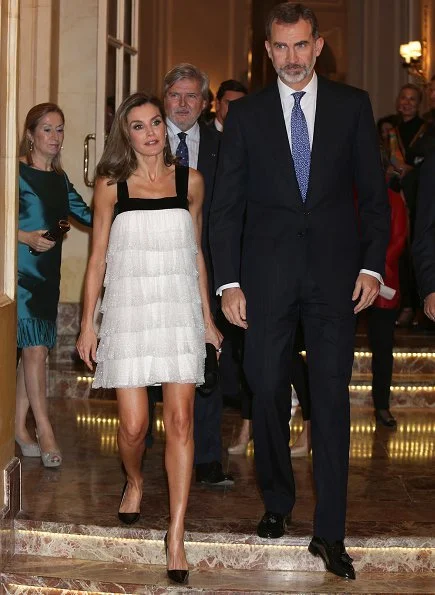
(234, 306)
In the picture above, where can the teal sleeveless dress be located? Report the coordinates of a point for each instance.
(44, 198)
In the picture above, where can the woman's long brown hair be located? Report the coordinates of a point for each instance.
(119, 160)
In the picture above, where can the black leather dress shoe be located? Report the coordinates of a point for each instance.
(384, 417)
(211, 474)
(334, 555)
(271, 526)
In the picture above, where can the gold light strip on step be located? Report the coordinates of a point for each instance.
(396, 354)
(409, 388)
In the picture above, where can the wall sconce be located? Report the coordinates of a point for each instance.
(412, 55)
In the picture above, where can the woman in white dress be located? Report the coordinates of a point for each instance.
(156, 311)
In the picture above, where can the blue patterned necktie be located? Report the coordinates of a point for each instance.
(182, 151)
(301, 151)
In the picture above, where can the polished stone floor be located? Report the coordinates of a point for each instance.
(69, 539)
(391, 483)
(68, 536)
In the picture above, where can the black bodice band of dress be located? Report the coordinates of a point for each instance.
(125, 203)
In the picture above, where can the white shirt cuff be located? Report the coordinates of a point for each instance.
(226, 286)
(373, 274)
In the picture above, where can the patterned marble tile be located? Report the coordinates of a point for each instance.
(68, 318)
(71, 512)
(12, 506)
(221, 550)
(121, 578)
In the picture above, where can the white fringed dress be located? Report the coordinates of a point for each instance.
(152, 329)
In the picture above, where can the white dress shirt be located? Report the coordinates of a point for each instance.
(219, 127)
(192, 141)
(308, 105)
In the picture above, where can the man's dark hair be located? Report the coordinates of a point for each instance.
(290, 13)
(432, 78)
(230, 85)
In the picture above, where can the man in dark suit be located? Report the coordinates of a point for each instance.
(228, 91)
(287, 241)
(424, 236)
(196, 145)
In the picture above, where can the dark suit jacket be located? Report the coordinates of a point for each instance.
(424, 232)
(209, 141)
(256, 179)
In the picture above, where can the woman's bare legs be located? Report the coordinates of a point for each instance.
(22, 407)
(178, 400)
(133, 426)
(32, 391)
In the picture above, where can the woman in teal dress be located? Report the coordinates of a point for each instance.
(46, 196)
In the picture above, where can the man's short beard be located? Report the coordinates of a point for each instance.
(295, 77)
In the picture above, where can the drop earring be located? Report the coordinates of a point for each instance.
(31, 145)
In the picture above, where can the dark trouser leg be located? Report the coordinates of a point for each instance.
(207, 427)
(246, 409)
(329, 337)
(268, 348)
(380, 328)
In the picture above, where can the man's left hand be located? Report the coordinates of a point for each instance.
(366, 290)
(429, 306)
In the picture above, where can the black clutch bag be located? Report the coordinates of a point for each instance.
(211, 372)
(55, 233)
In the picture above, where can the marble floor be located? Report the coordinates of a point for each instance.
(391, 497)
(69, 515)
(391, 483)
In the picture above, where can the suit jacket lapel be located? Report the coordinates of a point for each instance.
(323, 133)
(208, 145)
(274, 133)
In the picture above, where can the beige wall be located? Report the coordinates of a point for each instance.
(77, 95)
(58, 45)
(212, 35)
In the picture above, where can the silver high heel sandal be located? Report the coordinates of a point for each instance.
(52, 458)
(28, 449)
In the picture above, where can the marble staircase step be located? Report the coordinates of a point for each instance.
(235, 551)
(407, 394)
(411, 391)
(29, 574)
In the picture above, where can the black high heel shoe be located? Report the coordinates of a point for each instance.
(177, 576)
(127, 517)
